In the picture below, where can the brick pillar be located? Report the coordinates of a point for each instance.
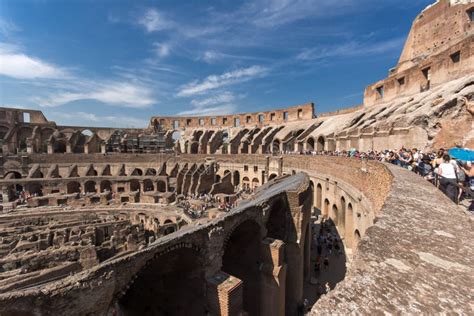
(272, 278)
(225, 295)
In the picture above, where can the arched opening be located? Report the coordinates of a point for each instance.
(241, 260)
(161, 186)
(106, 185)
(134, 185)
(226, 172)
(341, 225)
(326, 208)
(255, 183)
(194, 148)
(34, 188)
(349, 225)
(356, 239)
(148, 185)
(137, 172)
(276, 146)
(246, 183)
(320, 146)
(334, 214)
(89, 187)
(310, 144)
(150, 172)
(198, 135)
(236, 178)
(73, 187)
(59, 146)
(319, 196)
(272, 176)
(172, 284)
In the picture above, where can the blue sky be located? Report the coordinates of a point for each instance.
(116, 63)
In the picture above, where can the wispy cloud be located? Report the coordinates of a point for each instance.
(117, 93)
(152, 20)
(214, 110)
(352, 49)
(162, 49)
(104, 120)
(7, 27)
(16, 64)
(225, 97)
(216, 81)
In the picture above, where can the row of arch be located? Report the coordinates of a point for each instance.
(341, 213)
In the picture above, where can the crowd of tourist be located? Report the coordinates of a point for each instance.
(453, 177)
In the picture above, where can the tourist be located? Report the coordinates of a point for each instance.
(448, 178)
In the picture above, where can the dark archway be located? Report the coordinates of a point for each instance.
(134, 185)
(320, 146)
(148, 185)
(272, 176)
(105, 185)
(194, 148)
(241, 259)
(236, 177)
(310, 144)
(150, 172)
(276, 146)
(73, 187)
(341, 218)
(161, 186)
(326, 209)
(172, 284)
(89, 187)
(319, 196)
(137, 172)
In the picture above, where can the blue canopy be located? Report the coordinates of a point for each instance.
(462, 154)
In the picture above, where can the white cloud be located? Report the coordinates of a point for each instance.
(216, 110)
(351, 49)
(154, 21)
(210, 56)
(162, 49)
(225, 97)
(20, 66)
(217, 81)
(84, 118)
(118, 93)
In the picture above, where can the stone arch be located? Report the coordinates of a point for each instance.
(326, 209)
(310, 144)
(161, 186)
(89, 187)
(341, 225)
(240, 260)
(276, 146)
(334, 214)
(170, 284)
(236, 177)
(319, 196)
(349, 225)
(272, 176)
(34, 188)
(255, 183)
(246, 183)
(356, 239)
(150, 172)
(148, 185)
(73, 187)
(134, 185)
(320, 144)
(137, 172)
(194, 148)
(105, 185)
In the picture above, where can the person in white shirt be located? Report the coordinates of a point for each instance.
(448, 181)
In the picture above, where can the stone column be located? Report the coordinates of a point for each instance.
(272, 278)
(294, 278)
(225, 295)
